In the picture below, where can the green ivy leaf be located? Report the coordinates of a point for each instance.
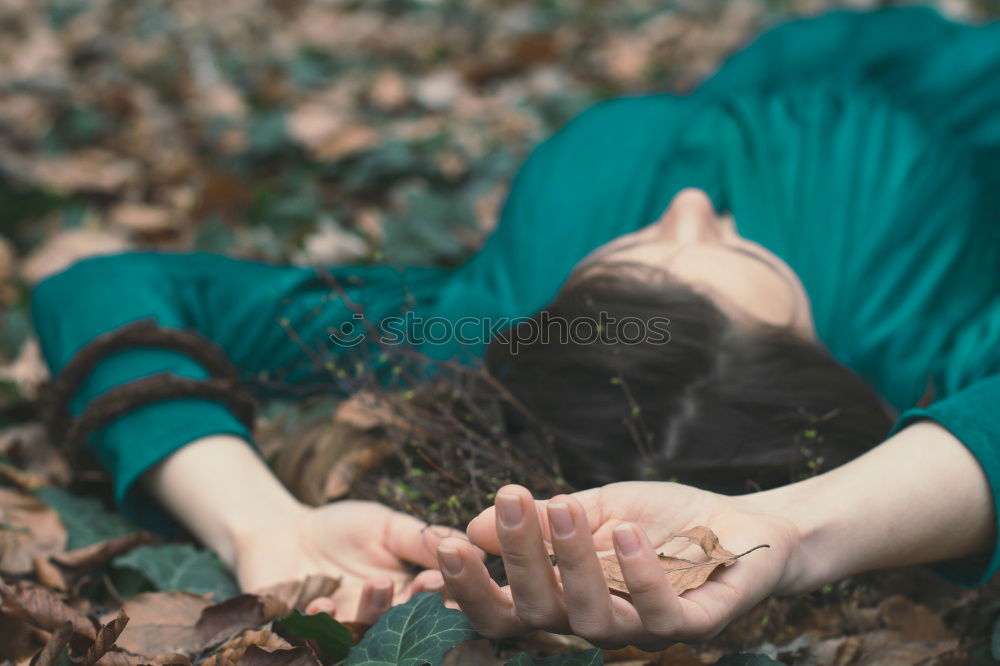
(416, 633)
(87, 521)
(181, 567)
(587, 658)
(333, 638)
(745, 659)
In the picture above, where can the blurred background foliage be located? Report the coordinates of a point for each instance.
(314, 131)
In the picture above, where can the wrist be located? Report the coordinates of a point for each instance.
(811, 560)
(221, 490)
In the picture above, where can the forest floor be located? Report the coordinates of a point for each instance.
(319, 132)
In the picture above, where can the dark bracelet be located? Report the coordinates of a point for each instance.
(156, 388)
(223, 385)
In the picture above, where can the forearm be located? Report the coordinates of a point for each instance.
(920, 497)
(218, 487)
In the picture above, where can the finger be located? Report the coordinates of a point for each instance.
(482, 528)
(413, 540)
(321, 605)
(376, 598)
(585, 590)
(488, 607)
(537, 596)
(660, 609)
(428, 581)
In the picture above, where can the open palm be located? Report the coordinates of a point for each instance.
(636, 520)
(372, 549)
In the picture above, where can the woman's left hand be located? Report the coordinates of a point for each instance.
(632, 517)
(369, 547)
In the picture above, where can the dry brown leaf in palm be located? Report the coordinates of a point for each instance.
(683, 574)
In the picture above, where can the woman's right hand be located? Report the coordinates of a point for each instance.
(637, 520)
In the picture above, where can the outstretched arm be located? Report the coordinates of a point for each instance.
(221, 489)
(920, 497)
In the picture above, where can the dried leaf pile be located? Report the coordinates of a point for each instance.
(315, 132)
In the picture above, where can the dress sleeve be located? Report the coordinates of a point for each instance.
(250, 309)
(973, 417)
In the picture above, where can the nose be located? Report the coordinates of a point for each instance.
(690, 218)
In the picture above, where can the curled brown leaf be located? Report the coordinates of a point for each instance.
(683, 574)
(106, 637)
(99, 554)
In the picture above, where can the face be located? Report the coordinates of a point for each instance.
(703, 249)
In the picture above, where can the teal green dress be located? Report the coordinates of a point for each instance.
(862, 148)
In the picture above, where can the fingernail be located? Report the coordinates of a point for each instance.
(561, 520)
(509, 509)
(626, 540)
(434, 588)
(381, 594)
(451, 561)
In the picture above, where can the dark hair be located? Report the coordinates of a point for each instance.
(723, 406)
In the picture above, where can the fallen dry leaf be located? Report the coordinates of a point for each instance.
(232, 652)
(255, 655)
(479, 652)
(117, 657)
(298, 593)
(915, 622)
(351, 139)
(161, 622)
(49, 655)
(678, 654)
(91, 170)
(19, 639)
(21, 479)
(142, 218)
(29, 448)
(389, 90)
(233, 616)
(28, 527)
(106, 637)
(43, 608)
(683, 574)
(99, 554)
(48, 574)
(68, 247)
(889, 647)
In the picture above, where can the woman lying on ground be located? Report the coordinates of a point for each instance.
(857, 155)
